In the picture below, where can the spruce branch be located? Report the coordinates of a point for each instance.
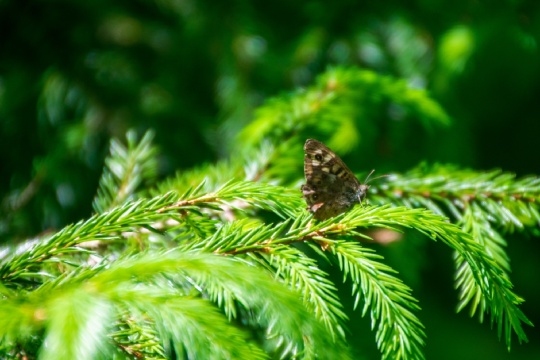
(191, 323)
(272, 243)
(290, 265)
(193, 326)
(475, 221)
(282, 201)
(484, 204)
(332, 103)
(149, 214)
(206, 178)
(318, 293)
(389, 302)
(486, 282)
(501, 303)
(495, 199)
(508, 202)
(77, 324)
(136, 337)
(266, 163)
(480, 274)
(399, 333)
(108, 226)
(126, 169)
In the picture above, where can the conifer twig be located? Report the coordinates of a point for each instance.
(126, 168)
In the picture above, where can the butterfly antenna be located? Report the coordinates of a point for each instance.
(367, 177)
(375, 178)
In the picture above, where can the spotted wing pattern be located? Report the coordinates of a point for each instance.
(330, 188)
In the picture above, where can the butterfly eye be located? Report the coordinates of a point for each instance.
(318, 157)
(315, 197)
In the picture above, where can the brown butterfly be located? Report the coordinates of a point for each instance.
(331, 188)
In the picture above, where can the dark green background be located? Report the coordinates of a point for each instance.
(74, 74)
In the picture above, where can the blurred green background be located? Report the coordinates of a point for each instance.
(73, 74)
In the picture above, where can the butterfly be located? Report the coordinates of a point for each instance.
(330, 188)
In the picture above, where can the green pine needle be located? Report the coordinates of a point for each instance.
(126, 169)
(212, 264)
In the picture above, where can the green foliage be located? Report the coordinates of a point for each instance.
(125, 170)
(74, 75)
(220, 262)
(484, 205)
(79, 307)
(330, 107)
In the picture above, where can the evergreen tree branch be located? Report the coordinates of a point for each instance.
(109, 226)
(319, 294)
(206, 178)
(298, 271)
(267, 162)
(480, 279)
(126, 169)
(280, 200)
(487, 282)
(487, 277)
(148, 214)
(77, 322)
(482, 203)
(270, 242)
(475, 222)
(193, 325)
(399, 333)
(179, 315)
(508, 202)
(332, 103)
(501, 303)
(136, 337)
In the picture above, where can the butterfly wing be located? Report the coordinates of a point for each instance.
(331, 188)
